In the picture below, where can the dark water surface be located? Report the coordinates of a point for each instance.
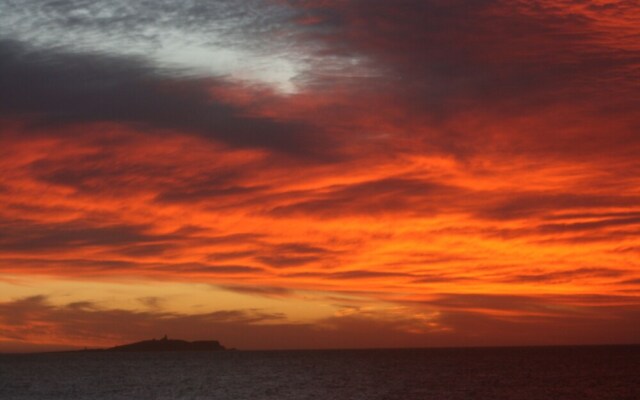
(608, 372)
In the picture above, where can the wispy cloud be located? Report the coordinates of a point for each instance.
(472, 163)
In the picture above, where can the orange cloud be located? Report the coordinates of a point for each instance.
(472, 180)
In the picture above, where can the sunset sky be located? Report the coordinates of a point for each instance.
(319, 173)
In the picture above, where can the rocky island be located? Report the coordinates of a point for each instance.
(166, 344)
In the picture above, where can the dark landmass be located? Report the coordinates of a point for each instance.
(154, 345)
(166, 344)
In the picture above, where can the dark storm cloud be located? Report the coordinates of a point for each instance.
(487, 49)
(52, 88)
(497, 61)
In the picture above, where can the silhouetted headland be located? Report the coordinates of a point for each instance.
(166, 344)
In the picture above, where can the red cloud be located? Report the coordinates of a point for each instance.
(485, 150)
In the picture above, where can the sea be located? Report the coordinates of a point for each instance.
(549, 373)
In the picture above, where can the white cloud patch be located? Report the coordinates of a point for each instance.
(238, 40)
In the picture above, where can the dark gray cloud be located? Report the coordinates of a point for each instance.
(197, 37)
(50, 88)
(497, 61)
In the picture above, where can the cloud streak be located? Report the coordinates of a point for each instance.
(79, 88)
(443, 173)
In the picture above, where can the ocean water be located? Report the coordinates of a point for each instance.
(549, 373)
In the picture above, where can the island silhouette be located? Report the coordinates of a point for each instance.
(166, 344)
